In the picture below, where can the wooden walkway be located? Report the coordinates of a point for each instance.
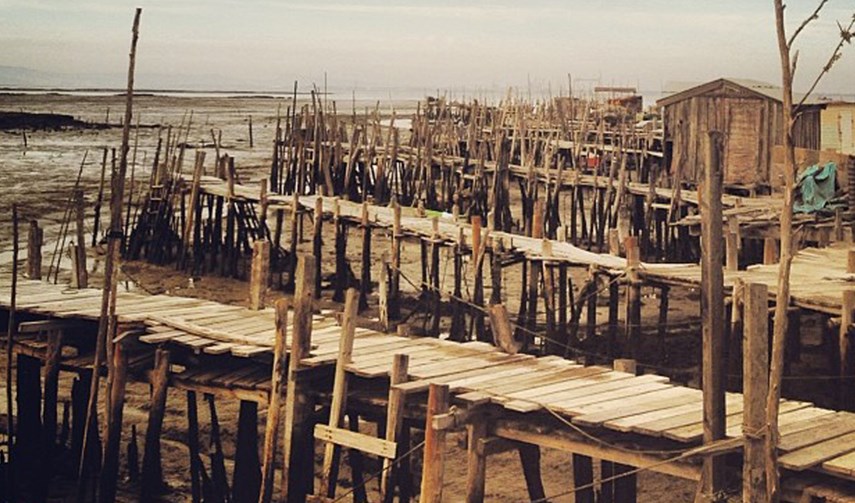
(590, 396)
(818, 277)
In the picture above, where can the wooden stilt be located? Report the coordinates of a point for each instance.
(298, 440)
(152, 474)
(607, 487)
(434, 450)
(476, 475)
(271, 431)
(35, 238)
(218, 461)
(633, 298)
(530, 460)
(133, 457)
(339, 394)
(259, 274)
(755, 387)
(394, 425)
(583, 477)
(110, 471)
(317, 241)
(193, 447)
(340, 251)
(712, 318)
(246, 480)
(847, 350)
(626, 486)
(365, 280)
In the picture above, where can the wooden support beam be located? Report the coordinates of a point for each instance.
(80, 273)
(317, 242)
(259, 274)
(770, 251)
(583, 478)
(434, 450)
(395, 425)
(193, 447)
(530, 461)
(712, 317)
(109, 475)
(49, 414)
(625, 484)
(152, 473)
(731, 237)
(755, 387)
(246, 480)
(476, 474)
(339, 391)
(847, 350)
(35, 239)
(365, 279)
(298, 440)
(271, 430)
(633, 296)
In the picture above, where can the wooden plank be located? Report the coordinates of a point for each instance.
(784, 420)
(631, 423)
(658, 426)
(841, 465)
(599, 413)
(818, 453)
(353, 440)
(838, 426)
(588, 386)
(694, 432)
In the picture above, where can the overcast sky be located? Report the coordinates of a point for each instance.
(420, 43)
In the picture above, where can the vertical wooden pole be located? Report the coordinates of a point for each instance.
(633, 297)
(298, 439)
(847, 349)
(365, 280)
(193, 447)
(271, 430)
(476, 474)
(49, 414)
(246, 481)
(152, 474)
(731, 237)
(339, 394)
(259, 274)
(755, 380)
(434, 450)
(583, 476)
(113, 441)
(394, 425)
(626, 486)
(770, 251)
(394, 285)
(712, 318)
(80, 245)
(317, 241)
(35, 239)
(530, 460)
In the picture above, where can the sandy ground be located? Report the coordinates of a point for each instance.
(39, 179)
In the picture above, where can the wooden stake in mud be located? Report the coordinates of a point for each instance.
(271, 431)
(152, 473)
(712, 318)
(259, 274)
(298, 441)
(110, 471)
(394, 424)
(365, 280)
(339, 393)
(11, 328)
(317, 242)
(35, 238)
(755, 383)
(108, 302)
(633, 297)
(49, 418)
(80, 246)
(434, 450)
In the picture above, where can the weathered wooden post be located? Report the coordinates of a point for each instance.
(110, 469)
(755, 380)
(298, 441)
(712, 317)
(434, 450)
(35, 238)
(365, 279)
(271, 430)
(847, 349)
(79, 252)
(732, 244)
(152, 473)
(259, 274)
(633, 297)
(394, 425)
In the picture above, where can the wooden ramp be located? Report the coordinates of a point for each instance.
(476, 373)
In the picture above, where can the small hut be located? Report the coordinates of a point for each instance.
(750, 114)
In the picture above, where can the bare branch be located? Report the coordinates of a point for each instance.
(846, 35)
(807, 21)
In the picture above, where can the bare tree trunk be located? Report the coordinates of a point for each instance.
(782, 300)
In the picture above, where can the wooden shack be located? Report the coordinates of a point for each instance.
(838, 124)
(751, 116)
